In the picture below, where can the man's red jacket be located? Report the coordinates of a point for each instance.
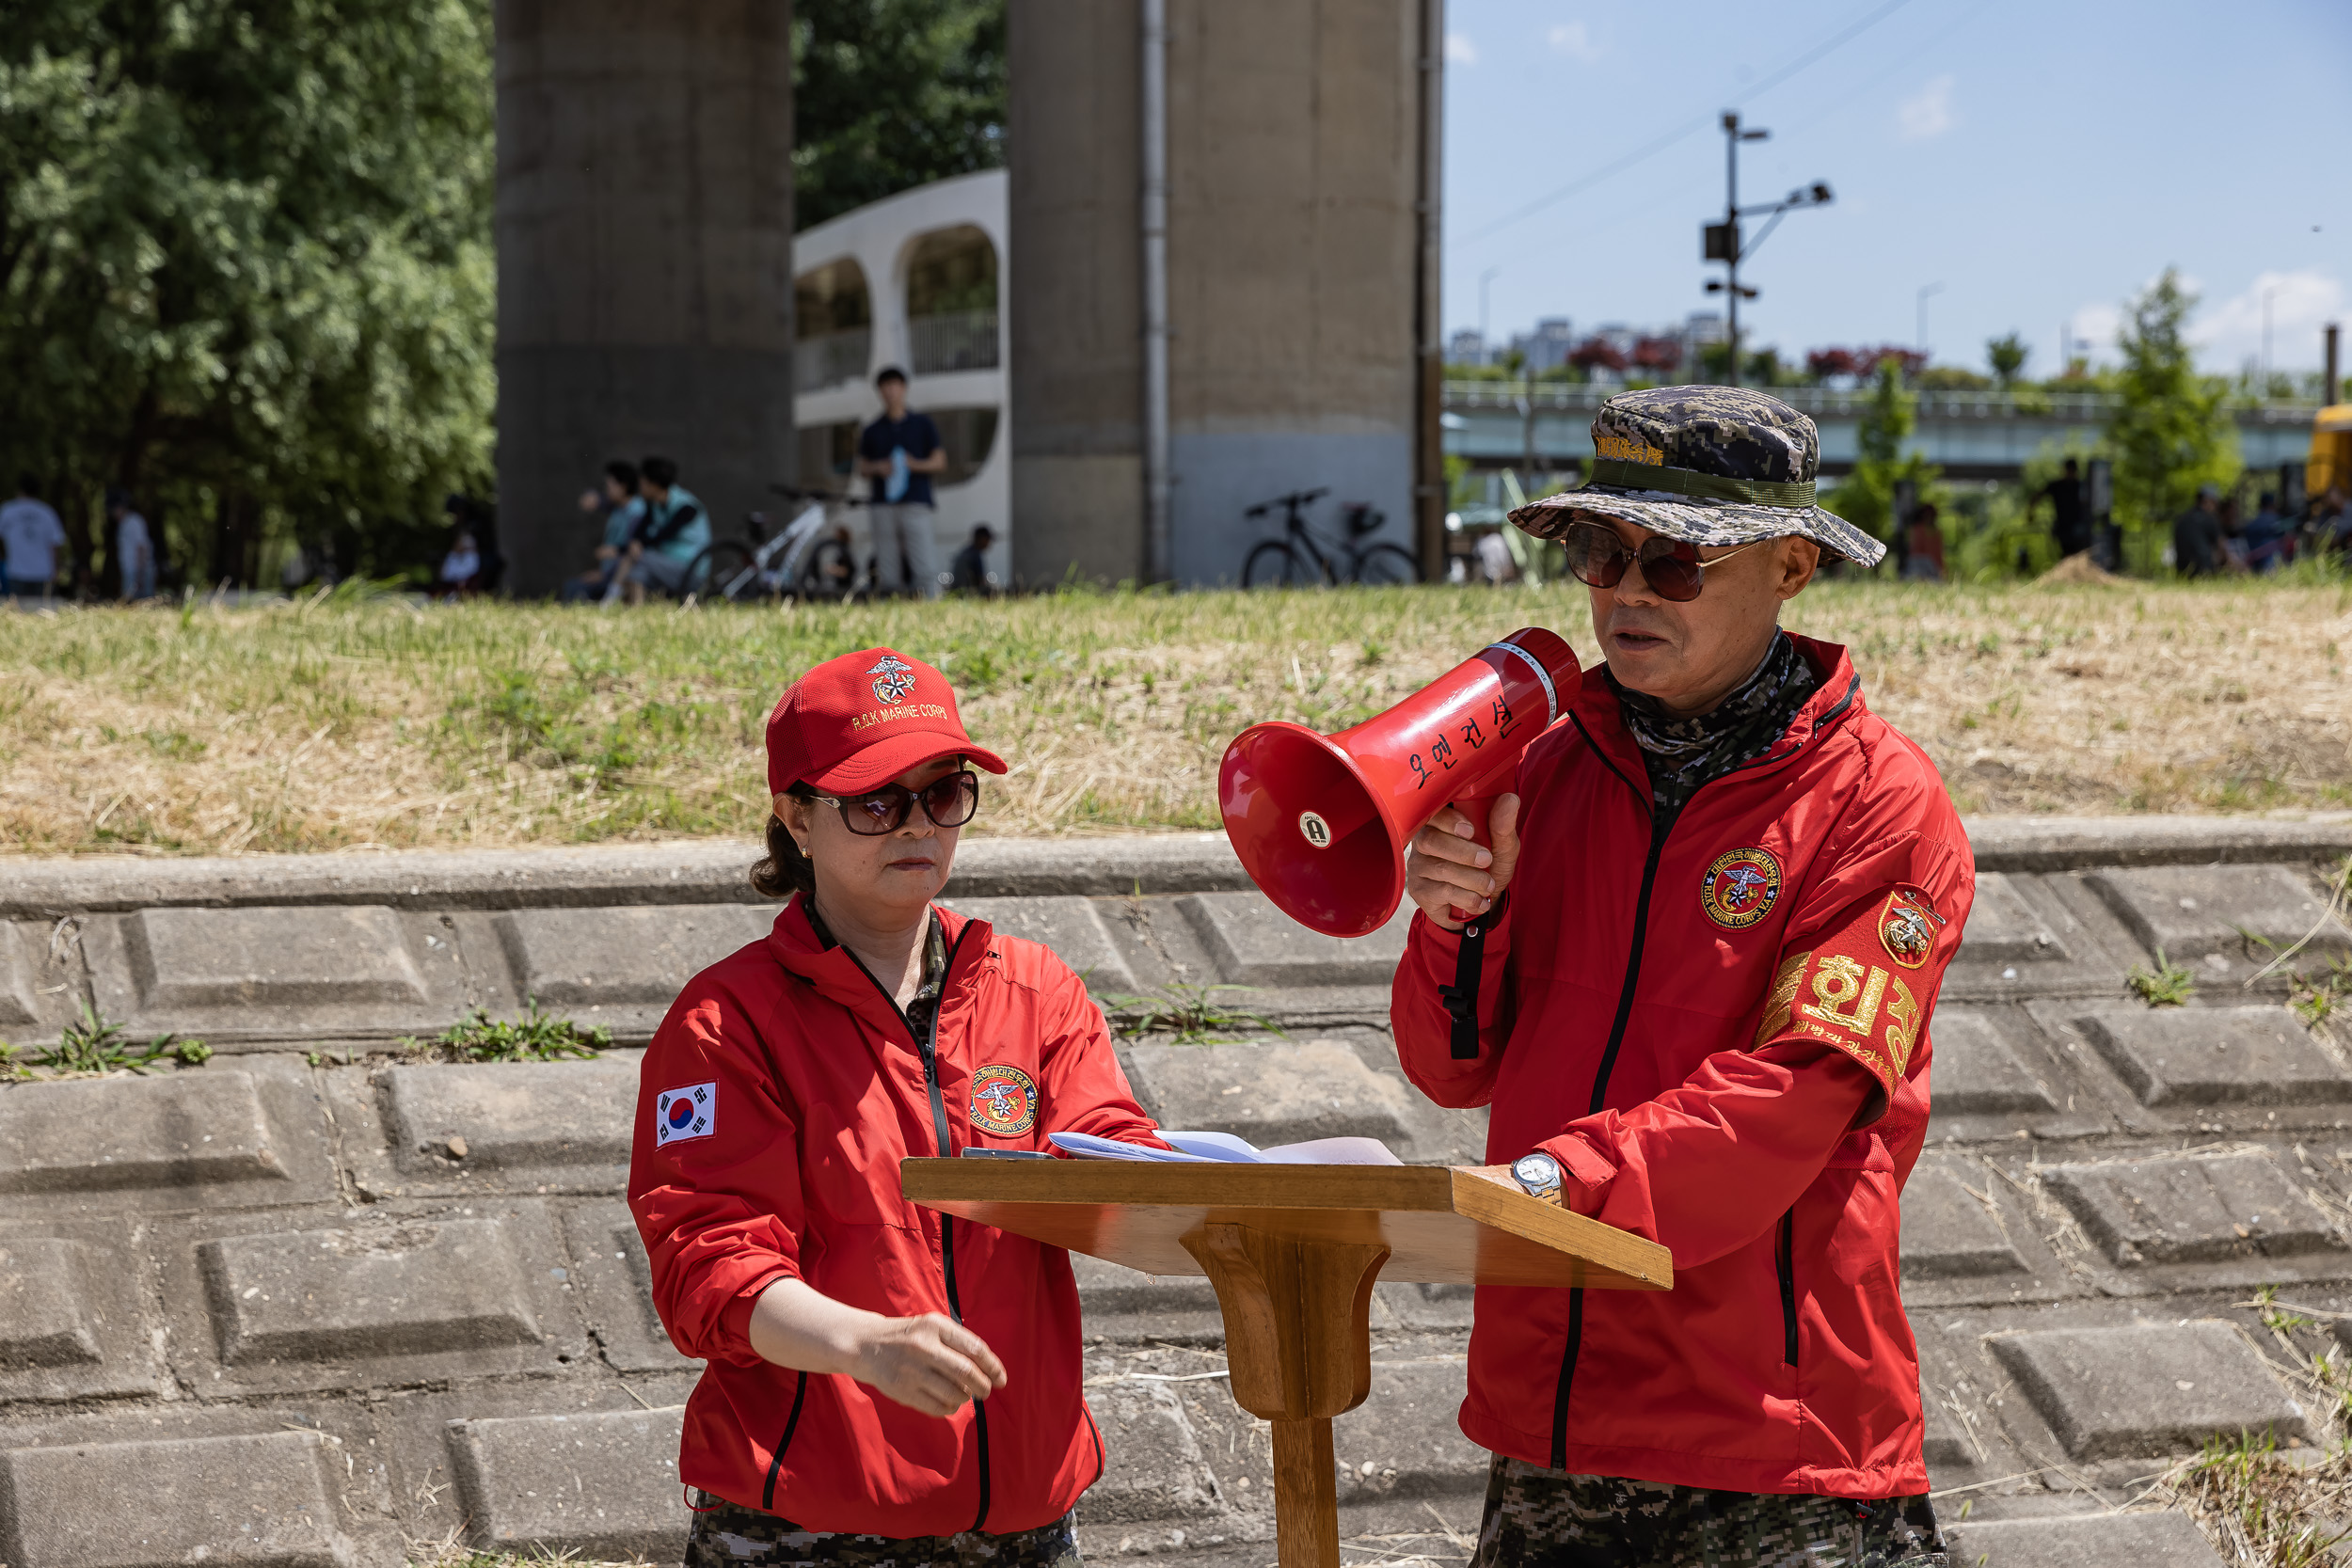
(775, 1103)
(1718, 1025)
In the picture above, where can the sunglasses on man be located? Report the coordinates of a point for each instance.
(948, 800)
(1672, 567)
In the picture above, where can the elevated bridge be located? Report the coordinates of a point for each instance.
(1983, 436)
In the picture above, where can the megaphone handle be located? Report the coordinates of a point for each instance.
(1478, 808)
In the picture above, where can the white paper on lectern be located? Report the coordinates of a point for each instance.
(1223, 1147)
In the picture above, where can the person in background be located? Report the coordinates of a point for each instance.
(134, 548)
(899, 452)
(618, 502)
(2196, 537)
(883, 1385)
(2268, 539)
(1491, 554)
(2069, 520)
(673, 530)
(1924, 546)
(32, 537)
(461, 569)
(2233, 536)
(971, 567)
(2331, 523)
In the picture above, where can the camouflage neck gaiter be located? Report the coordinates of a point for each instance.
(1683, 753)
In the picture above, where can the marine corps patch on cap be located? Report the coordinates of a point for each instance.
(1003, 1100)
(1739, 887)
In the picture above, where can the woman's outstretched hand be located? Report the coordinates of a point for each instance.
(1446, 869)
(928, 1363)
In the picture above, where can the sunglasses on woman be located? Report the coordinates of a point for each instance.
(1672, 567)
(948, 800)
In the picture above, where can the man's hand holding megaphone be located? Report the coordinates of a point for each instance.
(1450, 873)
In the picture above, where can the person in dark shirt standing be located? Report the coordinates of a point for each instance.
(2196, 537)
(899, 452)
(2070, 522)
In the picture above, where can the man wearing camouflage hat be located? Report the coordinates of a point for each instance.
(1695, 990)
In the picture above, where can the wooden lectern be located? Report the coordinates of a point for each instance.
(1294, 1252)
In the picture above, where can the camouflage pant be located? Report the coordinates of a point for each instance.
(1539, 1518)
(728, 1535)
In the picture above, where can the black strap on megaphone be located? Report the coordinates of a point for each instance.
(1461, 998)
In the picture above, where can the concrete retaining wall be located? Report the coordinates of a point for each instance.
(293, 1308)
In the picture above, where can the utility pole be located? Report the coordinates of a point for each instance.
(1721, 242)
(1927, 293)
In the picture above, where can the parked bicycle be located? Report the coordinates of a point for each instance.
(807, 560)
(1303, 558)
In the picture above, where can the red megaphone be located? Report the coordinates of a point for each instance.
(1320, 822)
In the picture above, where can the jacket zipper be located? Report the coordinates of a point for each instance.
(1785, 1259)
(926, 1046)
(1659, 828)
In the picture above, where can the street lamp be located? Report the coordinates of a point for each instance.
(1721, 242)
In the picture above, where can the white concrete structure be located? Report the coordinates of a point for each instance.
(915, 280)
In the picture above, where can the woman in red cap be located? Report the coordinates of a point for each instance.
(876, 1369)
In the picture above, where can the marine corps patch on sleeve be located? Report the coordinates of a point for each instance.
(1908, 924)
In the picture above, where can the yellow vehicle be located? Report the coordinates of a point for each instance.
(2331, 461)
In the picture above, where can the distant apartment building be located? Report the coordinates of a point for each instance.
(1467, 347)
(1546, 347)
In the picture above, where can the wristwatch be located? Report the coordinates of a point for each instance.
(1538, 1176)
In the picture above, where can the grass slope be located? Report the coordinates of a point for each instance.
(329, 725)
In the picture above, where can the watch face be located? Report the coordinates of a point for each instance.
(1536, 1170)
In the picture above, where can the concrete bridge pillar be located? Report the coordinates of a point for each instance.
(644, 227)
(1296, 173)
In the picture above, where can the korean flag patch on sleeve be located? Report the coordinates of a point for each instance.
(691, 1112)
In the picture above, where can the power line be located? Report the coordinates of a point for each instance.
(1703, 122)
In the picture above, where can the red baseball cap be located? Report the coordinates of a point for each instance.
(854, 724)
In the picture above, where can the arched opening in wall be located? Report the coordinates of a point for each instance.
(834, 326)
(968, 434)
(951, 302)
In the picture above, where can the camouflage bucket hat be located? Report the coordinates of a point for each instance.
(1705, 465)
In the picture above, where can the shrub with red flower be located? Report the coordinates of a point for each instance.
(1597, 352)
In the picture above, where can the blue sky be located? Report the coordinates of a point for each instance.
(2040, 159)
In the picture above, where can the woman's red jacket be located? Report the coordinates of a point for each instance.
(1718, 1025)
(813, 1088)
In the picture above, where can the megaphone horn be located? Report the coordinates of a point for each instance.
(1320, 822)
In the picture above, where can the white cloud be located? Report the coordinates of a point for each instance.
(1929, 112)
(2095, 326)
(1459, 50)
(1573, 39)
(2229, 332)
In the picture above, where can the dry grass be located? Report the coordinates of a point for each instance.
(328, 726)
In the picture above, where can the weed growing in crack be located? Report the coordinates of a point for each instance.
(1192, 1014)
(91, 1045)
(536, 1037)
(2168, 985)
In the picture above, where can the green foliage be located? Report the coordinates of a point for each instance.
(536, 1037)
(2167, 985)
(1189, 1013)
(891, 94)
(245, 267)
(1952, 378)
(1865, 496)
(91, 1044)
(2007, 356)
(2171, 432)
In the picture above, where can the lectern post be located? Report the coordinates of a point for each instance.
(1294, 1252)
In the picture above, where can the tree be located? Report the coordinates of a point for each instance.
(2007, 356)
(245, 267)
(891, 94)
(1597, 354)
(2171, 432)
(1661, 355)
(1823, 363)
(1866, 498)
